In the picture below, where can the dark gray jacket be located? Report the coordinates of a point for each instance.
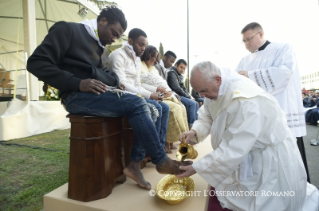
(176, 82)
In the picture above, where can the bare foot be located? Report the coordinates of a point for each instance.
(167, 149)
(171, 145)
(133, 171)
(171, 166)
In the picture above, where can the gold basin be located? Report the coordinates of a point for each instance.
(174, 190)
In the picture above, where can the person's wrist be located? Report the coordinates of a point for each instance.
(195, 134)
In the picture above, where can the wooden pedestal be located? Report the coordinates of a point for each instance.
(95, 157)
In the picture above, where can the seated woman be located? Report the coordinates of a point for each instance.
(151, 80)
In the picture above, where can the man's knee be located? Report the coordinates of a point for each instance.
(165, 107)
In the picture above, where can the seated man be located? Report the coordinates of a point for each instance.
(165, 63)
(176, 83)
(69, 58)
(197, 97)
(125, 62)
(255, 160)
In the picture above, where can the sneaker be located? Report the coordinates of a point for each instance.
(314, 142)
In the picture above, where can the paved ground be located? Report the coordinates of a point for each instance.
(312, 153)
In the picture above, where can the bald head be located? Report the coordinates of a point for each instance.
(205, 79)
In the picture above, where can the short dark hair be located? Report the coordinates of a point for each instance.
(181, 61)
(251, 26)
(149, 50)
(136, 33)
(113, 14)
(170, 53)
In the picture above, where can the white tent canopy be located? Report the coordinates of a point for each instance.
(32, 19)
(47, 13)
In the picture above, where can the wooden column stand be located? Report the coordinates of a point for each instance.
(95, 157)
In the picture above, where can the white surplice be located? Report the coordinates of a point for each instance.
(275, 70)
(248, 127)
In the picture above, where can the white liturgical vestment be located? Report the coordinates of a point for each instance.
(248, 128)
(275, 70)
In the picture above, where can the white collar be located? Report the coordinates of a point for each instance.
(222, 87)
(260, 46)
(91, 27)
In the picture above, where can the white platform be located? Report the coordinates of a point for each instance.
(129, 196)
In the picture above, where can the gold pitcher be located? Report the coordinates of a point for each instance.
(186, 151)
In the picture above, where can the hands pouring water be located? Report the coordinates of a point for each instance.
(187, 137)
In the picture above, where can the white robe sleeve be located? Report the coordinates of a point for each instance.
(242, 130)
(239, 66)
(117, 64)
(203, 124)
(276, 78)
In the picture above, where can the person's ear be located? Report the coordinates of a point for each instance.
(261, 34)
(103, 21)
(218, 80)
(130, 41)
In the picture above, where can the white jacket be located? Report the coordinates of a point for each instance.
(122, 63)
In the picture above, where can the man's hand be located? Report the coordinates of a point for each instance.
(156, 96)
(243, 72)
(189, 135)
(193, 99)
(189, 171)
(92, 85)
(121, 86)
(168, 94)
(161, 89)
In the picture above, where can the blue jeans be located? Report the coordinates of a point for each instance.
(162, 120)
(110, 105)
(191, 109)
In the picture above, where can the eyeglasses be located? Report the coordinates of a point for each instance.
(249, 39)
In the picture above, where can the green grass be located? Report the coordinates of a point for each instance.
(27, 174)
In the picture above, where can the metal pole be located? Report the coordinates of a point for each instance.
(30, 42)
(188, 87)
(28, 94)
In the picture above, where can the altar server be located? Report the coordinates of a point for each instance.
(273, 67)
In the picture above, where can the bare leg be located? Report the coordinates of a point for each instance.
(171, 166)
(167, 148)
(172, 146)
(134, 172)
